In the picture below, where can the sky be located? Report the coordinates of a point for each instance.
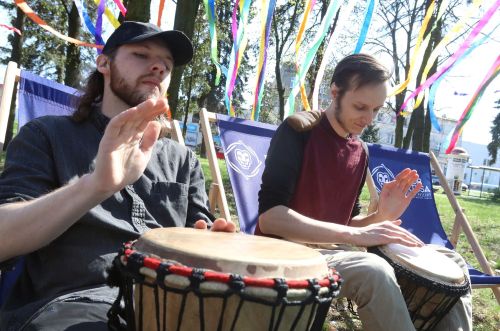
(452, 97)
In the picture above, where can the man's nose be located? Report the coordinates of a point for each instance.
(368, 118)
(159, 67)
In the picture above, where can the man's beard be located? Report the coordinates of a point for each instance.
(337, 113)
(126, 92)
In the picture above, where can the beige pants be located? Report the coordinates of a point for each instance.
(370, 282)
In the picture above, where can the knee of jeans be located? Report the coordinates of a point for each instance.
(379, 271)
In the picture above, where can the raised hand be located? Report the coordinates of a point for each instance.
(396, 195)
(126, 146)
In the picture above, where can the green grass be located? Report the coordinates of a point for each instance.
(2, 160)
(483, 215)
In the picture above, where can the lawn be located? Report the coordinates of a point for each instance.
(483, 215)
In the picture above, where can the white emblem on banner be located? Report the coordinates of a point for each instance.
(243, 159)
(381, 175)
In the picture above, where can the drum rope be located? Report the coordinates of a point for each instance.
(131, 268)
(428, 300)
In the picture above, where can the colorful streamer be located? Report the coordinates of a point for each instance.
(490, 76)
(446, 39)
(35, 18)
(298, 41)
(239, 44)
(160, 12)
(329, 49)
(435, 86)
(400, 88)
(210, 12)
(98, 23)
(111, 18)
(366, 26)
(122, 8)
(318, 39)
(266, 21)
(11, 28)
(84, 16)
(461, 50)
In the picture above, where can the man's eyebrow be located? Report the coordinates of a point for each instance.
(167, 56)
(361, 103)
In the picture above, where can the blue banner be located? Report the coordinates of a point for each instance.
(245, 144)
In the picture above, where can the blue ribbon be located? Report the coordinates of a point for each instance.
(366, 25)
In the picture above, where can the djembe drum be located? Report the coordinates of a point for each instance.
(187, 279)
(431, 282)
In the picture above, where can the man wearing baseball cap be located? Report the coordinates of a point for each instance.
(74, 189)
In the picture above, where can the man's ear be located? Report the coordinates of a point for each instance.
(102, 63)
(334, 91)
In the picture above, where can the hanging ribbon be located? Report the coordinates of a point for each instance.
(240, 41)
(122, 8)
(465, 45)
(418, 60)
(318, 39)
(111, 18)
(490, 76)
(98, 23)
(446, 39)
(35, 18)
(435, 86)
(366, 25)
(84, 16)
(298, 41)
(11, 28)
(326, 55)
(266, 18)
(160, 12)
(399, 88)
(210, 12)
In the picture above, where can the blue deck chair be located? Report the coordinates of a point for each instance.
(245, 144)
(421, 217)
(37, 97)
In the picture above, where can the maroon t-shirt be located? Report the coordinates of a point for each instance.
(314, 171)
(330, 177)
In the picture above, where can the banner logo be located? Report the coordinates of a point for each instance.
(381, 175)
(243, 159)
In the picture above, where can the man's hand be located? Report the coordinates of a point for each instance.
(396, 195)
(126, 146)
(219, 224)
(383, 233)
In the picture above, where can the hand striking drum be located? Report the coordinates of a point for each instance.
(186, 279)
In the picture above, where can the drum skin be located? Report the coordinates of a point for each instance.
(431, 283)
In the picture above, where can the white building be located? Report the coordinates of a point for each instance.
(478, 154)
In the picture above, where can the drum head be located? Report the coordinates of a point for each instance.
(425, 262)
(246, 255)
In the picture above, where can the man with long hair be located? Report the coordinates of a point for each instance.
(74, 189)
(315, 171)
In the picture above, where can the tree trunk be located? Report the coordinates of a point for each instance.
(137, 10)
(400, 121)
(15, 56)
(409, 133)
(420, 135)
(72, 76)
(185, 16)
